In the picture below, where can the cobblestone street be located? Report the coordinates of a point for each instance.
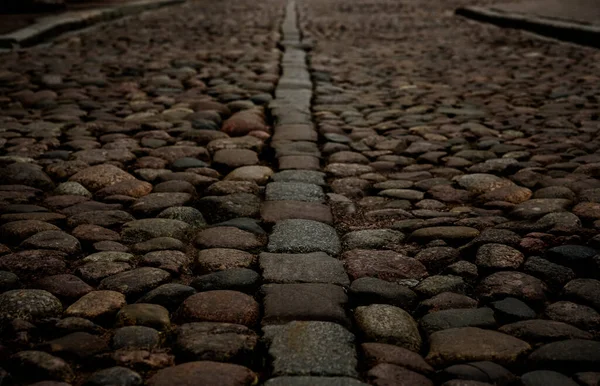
(312, 193)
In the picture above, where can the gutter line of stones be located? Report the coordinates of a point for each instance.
(305, 323)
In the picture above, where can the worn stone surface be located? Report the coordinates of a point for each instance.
(313, 348)
(442, 169)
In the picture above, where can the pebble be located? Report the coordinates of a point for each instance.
(388, 324)
(222, 306)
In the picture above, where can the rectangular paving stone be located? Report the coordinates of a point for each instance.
(316, 267)
(303, 236)
(275, 211)
(295, 133)
(313, 348)
(299, 162)
(314, 381)
(285, 148)
(308, 176)
(284, 303)
(297, 191)
(294, 84)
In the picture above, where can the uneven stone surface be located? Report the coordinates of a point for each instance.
(307, 193)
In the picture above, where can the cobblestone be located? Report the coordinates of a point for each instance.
(393, 194)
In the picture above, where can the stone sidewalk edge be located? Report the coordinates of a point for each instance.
(53, 26)
(583, 34)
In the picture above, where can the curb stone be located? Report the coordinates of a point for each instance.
(53, 26)
(588, 35)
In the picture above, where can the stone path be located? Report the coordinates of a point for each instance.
(311, 193)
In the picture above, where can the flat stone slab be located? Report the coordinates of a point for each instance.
(275, 211)
(297, 191)
(307, 176)
(313, 349)
(284, 303)
(314, 381)
(303, 236)
(316, 267)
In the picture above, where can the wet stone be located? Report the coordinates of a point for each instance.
(220, 342)
(235, 279)
(187, 214)
(326, 350)
(135, 337)
(388, 324)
